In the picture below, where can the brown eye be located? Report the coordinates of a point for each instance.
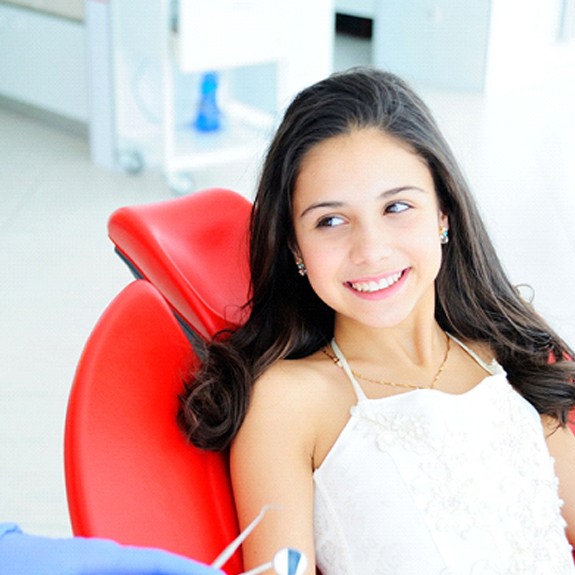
(330, 222)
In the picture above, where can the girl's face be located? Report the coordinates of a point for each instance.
(367, 225)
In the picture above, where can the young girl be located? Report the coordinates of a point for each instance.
(391, 394)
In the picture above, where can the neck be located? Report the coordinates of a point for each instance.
(417, 344)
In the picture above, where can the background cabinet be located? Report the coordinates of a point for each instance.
(158, 52)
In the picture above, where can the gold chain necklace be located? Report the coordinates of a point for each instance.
(393, 383)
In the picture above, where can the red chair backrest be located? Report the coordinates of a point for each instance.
(194, 250)
(130, 474)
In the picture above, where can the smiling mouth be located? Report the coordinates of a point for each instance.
(375, 286)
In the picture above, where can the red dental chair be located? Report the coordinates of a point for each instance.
(194, 250)
(130, 474)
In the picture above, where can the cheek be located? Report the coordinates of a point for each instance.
(321, 263)
(424, 251)
(323, 268)
(323, 279)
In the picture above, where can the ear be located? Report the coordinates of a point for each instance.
(443, 220)
(294, 249)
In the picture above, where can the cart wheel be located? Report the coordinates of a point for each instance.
(131, 161)
(181, 183)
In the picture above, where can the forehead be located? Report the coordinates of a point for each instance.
(365, 160)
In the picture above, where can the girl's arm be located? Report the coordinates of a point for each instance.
(271, 464)
(561, 444)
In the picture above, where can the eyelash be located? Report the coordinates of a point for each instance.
(404, 207)
(326, 222)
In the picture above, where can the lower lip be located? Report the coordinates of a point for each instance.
(382, 293)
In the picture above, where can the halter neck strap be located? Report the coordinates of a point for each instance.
(491, 368)
(345, 366)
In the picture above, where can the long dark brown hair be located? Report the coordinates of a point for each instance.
(475, 301)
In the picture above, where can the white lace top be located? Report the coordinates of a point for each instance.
(429, 483)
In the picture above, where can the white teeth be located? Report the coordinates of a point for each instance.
(374, 286)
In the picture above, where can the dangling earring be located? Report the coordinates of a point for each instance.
(301, 269)
(443, 235)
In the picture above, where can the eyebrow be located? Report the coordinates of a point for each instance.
(384, 195)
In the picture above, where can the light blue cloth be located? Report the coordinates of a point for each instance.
(23, 554)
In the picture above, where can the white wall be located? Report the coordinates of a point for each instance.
(470, 45)
(522, 41)
(437, 44)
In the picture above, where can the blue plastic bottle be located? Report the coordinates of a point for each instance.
(209, 116)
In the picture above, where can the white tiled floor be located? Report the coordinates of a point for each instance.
(59, 270)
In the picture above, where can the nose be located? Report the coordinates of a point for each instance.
(371, 243)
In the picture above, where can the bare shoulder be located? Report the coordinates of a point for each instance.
(295, 379)
(556, 434)
(298, 401)
(299, 389)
